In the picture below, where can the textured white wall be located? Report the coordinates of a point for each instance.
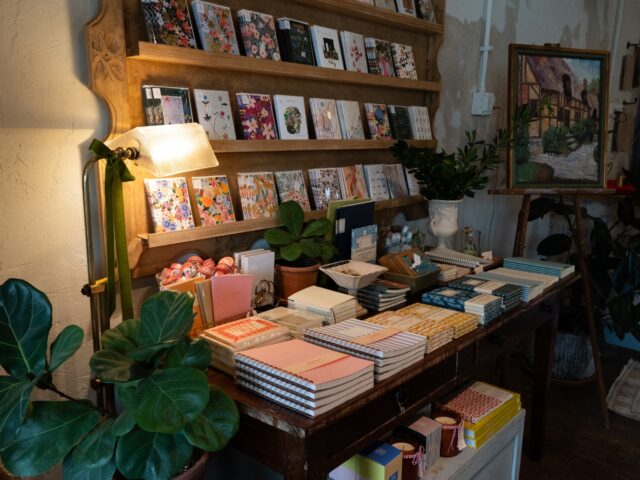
(47, 117)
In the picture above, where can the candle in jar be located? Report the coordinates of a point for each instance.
(446, 420)
(404, 447)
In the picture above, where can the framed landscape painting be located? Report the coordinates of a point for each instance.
(558, 112)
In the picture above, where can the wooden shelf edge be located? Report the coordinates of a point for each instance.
(252, 146)
(552, 191)
(163, 239)
(199, 58)
(371, 13)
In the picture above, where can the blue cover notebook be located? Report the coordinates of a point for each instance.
(512, 295)
(544, 267)
(350, 217)
(448, 298)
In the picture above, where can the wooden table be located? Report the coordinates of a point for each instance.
(309, 448)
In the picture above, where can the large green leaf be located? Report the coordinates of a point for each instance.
(277, 236)
(317, 228)
(166, 316)
(217, 424)
(292, 215)
(65, 345)
(47, 436)
(151, 353)
(539, 207)
(189, 354)
(125, 392)
(291, 252)
(170, 398)
(554, 244)
(73, 471)
(113, 367)
(14, 401)
(310, 248)
(122, 338)
(152, 456)
(124, 423)
(96, 449)
(25, 321)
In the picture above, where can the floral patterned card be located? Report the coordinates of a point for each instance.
(258, 35)
(378, 121)
(215, 26)
(256, 115)
(291, 117)
(352, 183)
(291, 187)
(403, 61)
(325, 186)
(325, 118)
(379, 57)
(213, 199)
(214, 113)
(168, 22)
(169, 205)
(294, 39)
(355, 57)
(166, 105)
(257, 195)
(350, 120)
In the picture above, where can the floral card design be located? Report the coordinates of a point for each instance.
(325, 118)
(291, 187)
(384, 58)
(256, 115)
(168, 200)
(257, 195)
(215, 26)
(166, 105)
(325, 186)
(168, 22)
(259, 35)
(213, 199)
(214, 113)
(294, 38)
(351, 186)
(355, 57)
(378, 121)
(403, 61)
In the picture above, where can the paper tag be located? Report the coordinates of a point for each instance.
(148, 93)
(340, 225)
(286, 24)
(156, 93)
(488, 255)
(377, 336)
(314, 362)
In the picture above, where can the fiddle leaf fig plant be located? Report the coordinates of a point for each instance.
(170, 412)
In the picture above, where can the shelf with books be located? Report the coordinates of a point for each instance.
(248, 146)
(155, 240)
(218, 61)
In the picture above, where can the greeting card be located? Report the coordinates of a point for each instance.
(168, 22)
(294, 38)
(214, 113)
(354, 53)
(326, 46)
(213, 199)
(257, 195)
(291, 117)
(325, 118)
(258, 35)
(166, 105)
(378, 121)
(215, 27)
(325, 186)
(168, 200)
(350, 120)
(256, 115)
(379, 57)
(403, 61)
(291, 187)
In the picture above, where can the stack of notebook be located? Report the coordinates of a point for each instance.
(382, 295)
(555, 269)
(461, 322)
(530, 288)
(295, 320)
(227, 339)
(451, 257)
(546, 280)
(451, 272)
(306, 378)
(512, 295)
(436, 334)
(487, 307)
(391, 349)
(332, 306)
(485, 409)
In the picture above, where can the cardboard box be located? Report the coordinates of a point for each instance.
(380, 461)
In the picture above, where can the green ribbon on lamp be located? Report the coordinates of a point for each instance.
(115, 174)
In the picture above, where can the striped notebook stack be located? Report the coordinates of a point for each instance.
(303, 377)
(332, 306)
(546, 280)
(512, 295)
(555, 269)
(451, 272)
(461, 322)
(295, 320)
(391, 349)
(530, 288)
(487, 307)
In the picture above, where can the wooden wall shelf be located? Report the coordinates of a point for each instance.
(248, 146)
(237, 63)
(155, 240)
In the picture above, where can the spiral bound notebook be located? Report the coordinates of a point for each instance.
(445, 255)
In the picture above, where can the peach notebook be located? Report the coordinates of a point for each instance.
(309, 365)
(231, 297)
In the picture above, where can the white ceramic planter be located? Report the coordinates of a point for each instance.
(443, 216)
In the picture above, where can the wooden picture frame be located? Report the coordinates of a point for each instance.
(558, 112)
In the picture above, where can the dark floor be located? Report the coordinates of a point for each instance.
(577, 444)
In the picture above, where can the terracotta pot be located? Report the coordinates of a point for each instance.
(197, 471)
(294, 279)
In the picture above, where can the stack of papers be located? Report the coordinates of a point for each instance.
(461, 322)
(531, 288)
(260, 264)
(512, 295)
(546, 280)
(332, 306)
(228, 339)
(555, 269)
(487, 307)
(451, 272)
(295, 320)
(391, 349)
(382, 295)
(306, 378)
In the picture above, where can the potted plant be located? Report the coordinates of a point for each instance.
(446, 178)
(298, 248)
(170, 414)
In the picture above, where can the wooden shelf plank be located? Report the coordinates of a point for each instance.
(155, 240)
(356, 9)
(552, 191)
(247, 146)
(219, 61)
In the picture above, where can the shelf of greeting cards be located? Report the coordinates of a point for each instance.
(357, 9)
(253, 146)
(219, 61)
(163, 239)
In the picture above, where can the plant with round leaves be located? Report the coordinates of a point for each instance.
(158, 372)
(299, 244)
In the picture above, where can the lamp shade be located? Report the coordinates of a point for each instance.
(166, 150)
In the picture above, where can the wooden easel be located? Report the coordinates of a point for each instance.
(576, 232)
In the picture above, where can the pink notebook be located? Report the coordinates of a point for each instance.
(289, 358)
(231, 297)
